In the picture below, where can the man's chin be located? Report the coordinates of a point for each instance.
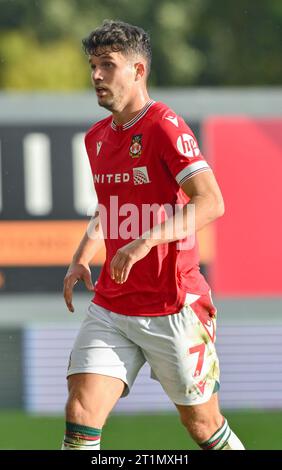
(105, 104)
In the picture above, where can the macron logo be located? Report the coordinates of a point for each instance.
(173, 120)
(99, 145)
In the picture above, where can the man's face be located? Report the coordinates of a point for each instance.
(114, 78)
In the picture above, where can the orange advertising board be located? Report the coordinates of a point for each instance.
(41, 243)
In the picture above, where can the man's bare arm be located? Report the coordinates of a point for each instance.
(79, 268)
(206, 197)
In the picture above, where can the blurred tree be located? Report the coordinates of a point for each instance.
(58, 65)
(195, 42)
(241, 41)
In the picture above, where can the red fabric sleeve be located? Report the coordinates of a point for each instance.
(179, 148)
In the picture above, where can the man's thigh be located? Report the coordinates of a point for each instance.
(102, 347)
(181, 352)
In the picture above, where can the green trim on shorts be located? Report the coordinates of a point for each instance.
(216, 387)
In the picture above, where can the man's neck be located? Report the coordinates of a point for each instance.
(130, 110)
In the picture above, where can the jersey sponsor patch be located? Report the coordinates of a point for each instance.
(135, 149)
(140, 175)
(187, 146)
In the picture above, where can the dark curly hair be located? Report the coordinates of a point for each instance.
(119, 36)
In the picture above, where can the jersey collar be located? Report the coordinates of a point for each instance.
(133, 121)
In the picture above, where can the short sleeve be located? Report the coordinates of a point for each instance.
(179, 148)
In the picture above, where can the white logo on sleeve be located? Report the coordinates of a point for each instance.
(188, 146)
(173, 120)
(140, 175)
(99, 145)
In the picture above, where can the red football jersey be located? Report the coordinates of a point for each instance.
(135, 166)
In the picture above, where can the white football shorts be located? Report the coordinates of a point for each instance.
(180, 349)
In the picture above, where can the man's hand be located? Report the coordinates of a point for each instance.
(75, 273)
(126, 257)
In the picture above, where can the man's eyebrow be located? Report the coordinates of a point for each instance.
(103, 56)
(106, 56)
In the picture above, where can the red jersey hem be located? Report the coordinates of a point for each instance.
(130, 313)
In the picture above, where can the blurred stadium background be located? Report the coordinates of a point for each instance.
(225, 80)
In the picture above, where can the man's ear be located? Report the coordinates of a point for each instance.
(140, 71)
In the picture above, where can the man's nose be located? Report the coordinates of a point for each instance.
(97, 74)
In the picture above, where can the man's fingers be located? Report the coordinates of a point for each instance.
(68, 299)
(70, 307)
(117, 262)
(74, 274)
(68, 288)
(88, 282)
(113, 267)
(118, 269)
(125, 272)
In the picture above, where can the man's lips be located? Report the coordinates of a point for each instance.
(101, 90)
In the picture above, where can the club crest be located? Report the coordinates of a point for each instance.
(135, 148)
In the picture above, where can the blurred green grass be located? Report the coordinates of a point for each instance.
(20, 431)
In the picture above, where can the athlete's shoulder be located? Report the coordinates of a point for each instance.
(97, 127)
(165, 118)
